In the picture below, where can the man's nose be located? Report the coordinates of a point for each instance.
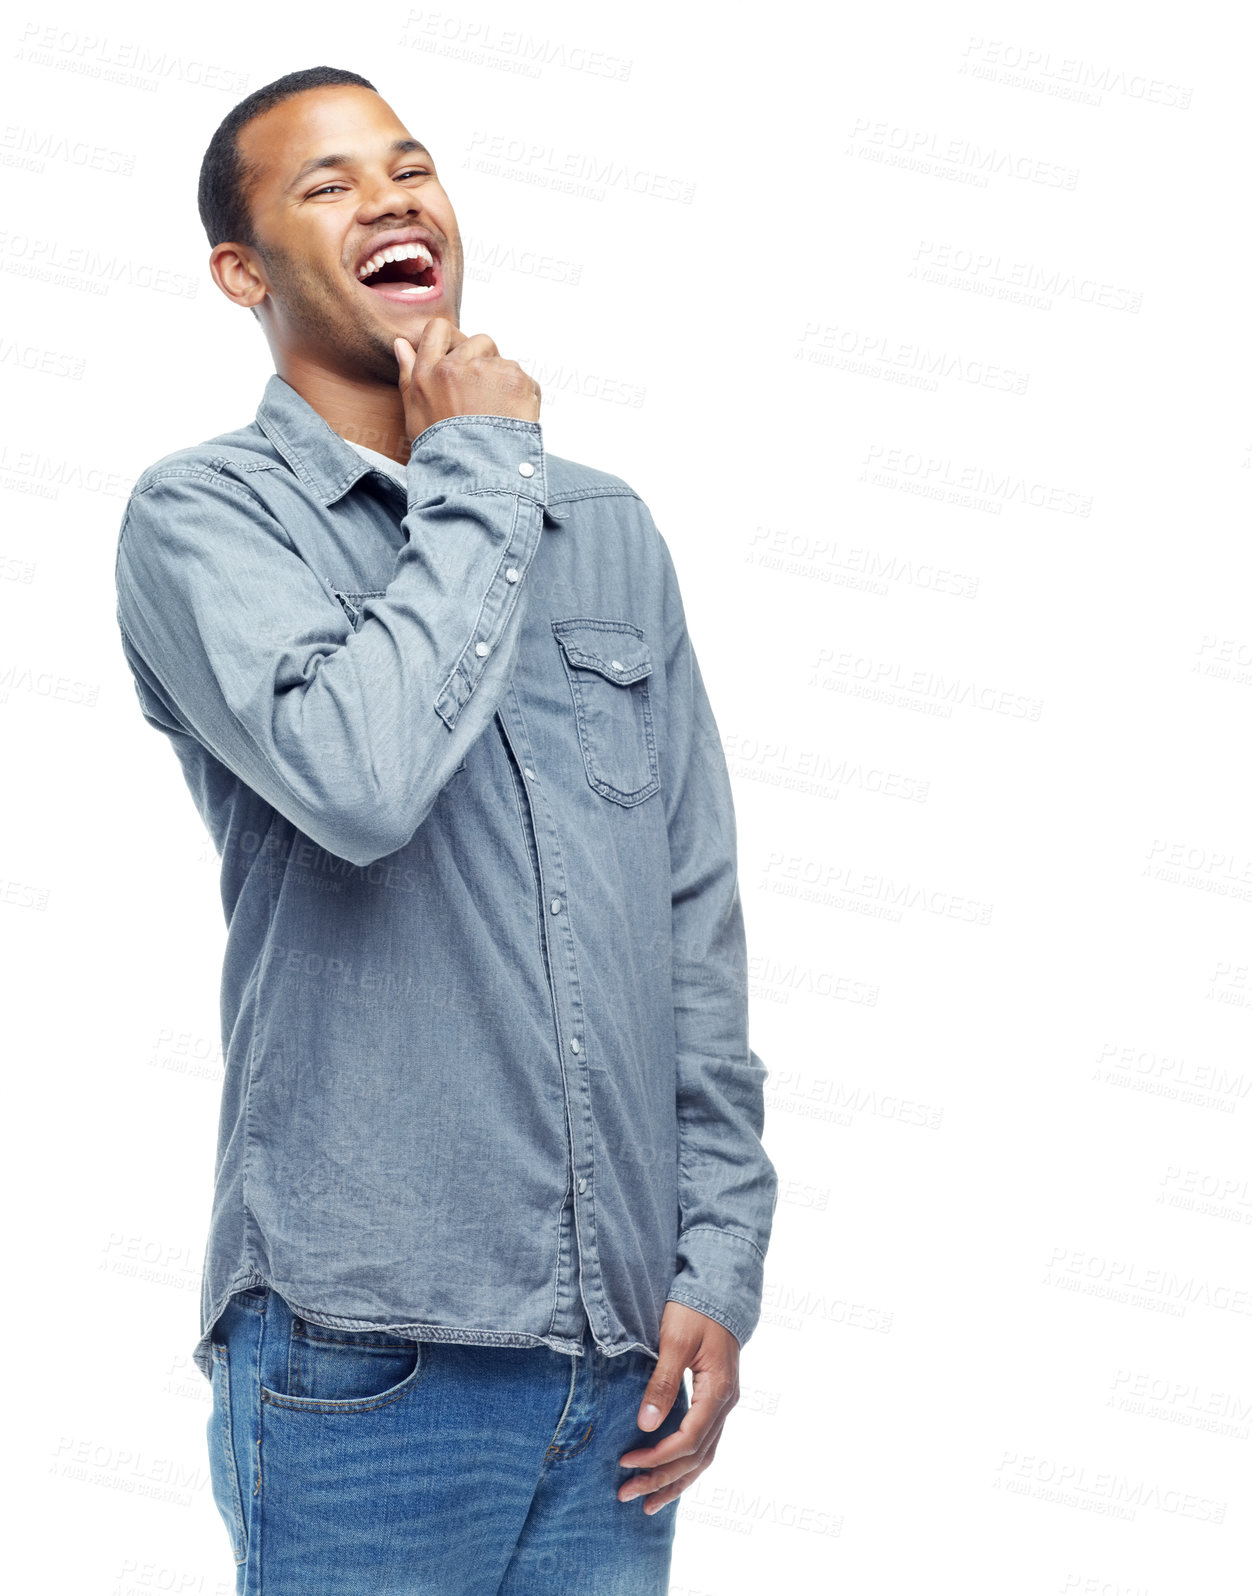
(388, 198)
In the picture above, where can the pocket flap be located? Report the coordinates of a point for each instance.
(618, 654)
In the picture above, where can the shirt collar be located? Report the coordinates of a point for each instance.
(326, 463)
(383, 462)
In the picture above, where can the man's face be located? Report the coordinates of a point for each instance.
(336, 185)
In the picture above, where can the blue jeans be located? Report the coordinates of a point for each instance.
(357, 1463)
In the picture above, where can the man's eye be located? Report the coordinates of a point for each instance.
(412, 171)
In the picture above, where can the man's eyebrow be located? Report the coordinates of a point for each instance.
(398, 147)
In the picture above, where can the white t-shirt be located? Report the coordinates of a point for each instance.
(392, 467)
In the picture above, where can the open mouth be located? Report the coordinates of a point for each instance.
(404, 273)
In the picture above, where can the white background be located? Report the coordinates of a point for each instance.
(921, 331)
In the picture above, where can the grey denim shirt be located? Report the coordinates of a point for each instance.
(484, 996)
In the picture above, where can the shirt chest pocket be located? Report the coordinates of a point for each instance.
(608, 665)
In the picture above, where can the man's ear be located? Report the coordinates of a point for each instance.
(238, 272)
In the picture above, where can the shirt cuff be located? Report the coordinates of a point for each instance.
(721, 1274)
(483, 457)
(479, 454)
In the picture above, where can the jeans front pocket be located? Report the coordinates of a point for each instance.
(608, 664)
(223, 1471)
(346, 1371)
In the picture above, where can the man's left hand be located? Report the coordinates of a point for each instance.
(688, 1340)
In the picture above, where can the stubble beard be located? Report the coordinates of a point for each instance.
(309, 305)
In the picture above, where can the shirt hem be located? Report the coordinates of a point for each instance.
(461, 1335)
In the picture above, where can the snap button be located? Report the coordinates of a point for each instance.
(482, 650)
(511, 574)
(575, 1046)
(582, 1184)
(617, 664)
(527, 771)
(556, 905)
(526, 469)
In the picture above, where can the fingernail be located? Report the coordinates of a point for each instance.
(649, 1416)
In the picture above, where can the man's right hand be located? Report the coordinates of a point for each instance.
(448, 373)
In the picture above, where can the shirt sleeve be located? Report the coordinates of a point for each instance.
(349, 737)
(728, 1186)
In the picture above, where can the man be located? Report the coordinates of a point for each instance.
(489, 1175)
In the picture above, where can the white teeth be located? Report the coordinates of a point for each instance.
(396, 252)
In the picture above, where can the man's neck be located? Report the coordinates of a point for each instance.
(363, 412)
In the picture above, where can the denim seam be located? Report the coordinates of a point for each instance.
(221, 1356)
(498, 423)
(718, 1230)
(203, 474)
(294, 1351)
(457, 1335)
(559, 1453)
(559, 1251)
(576, 998)
(276, 1399)
(430, 1332)
(572, 495)
(711, 1310)
(260, 1344)
(256, 980)
(517, 781)
(553, 1450)
(517, 777)
(216, 467)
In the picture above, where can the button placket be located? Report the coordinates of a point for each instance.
(567, 1001)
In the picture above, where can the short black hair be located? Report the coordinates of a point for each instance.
(225, 175)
